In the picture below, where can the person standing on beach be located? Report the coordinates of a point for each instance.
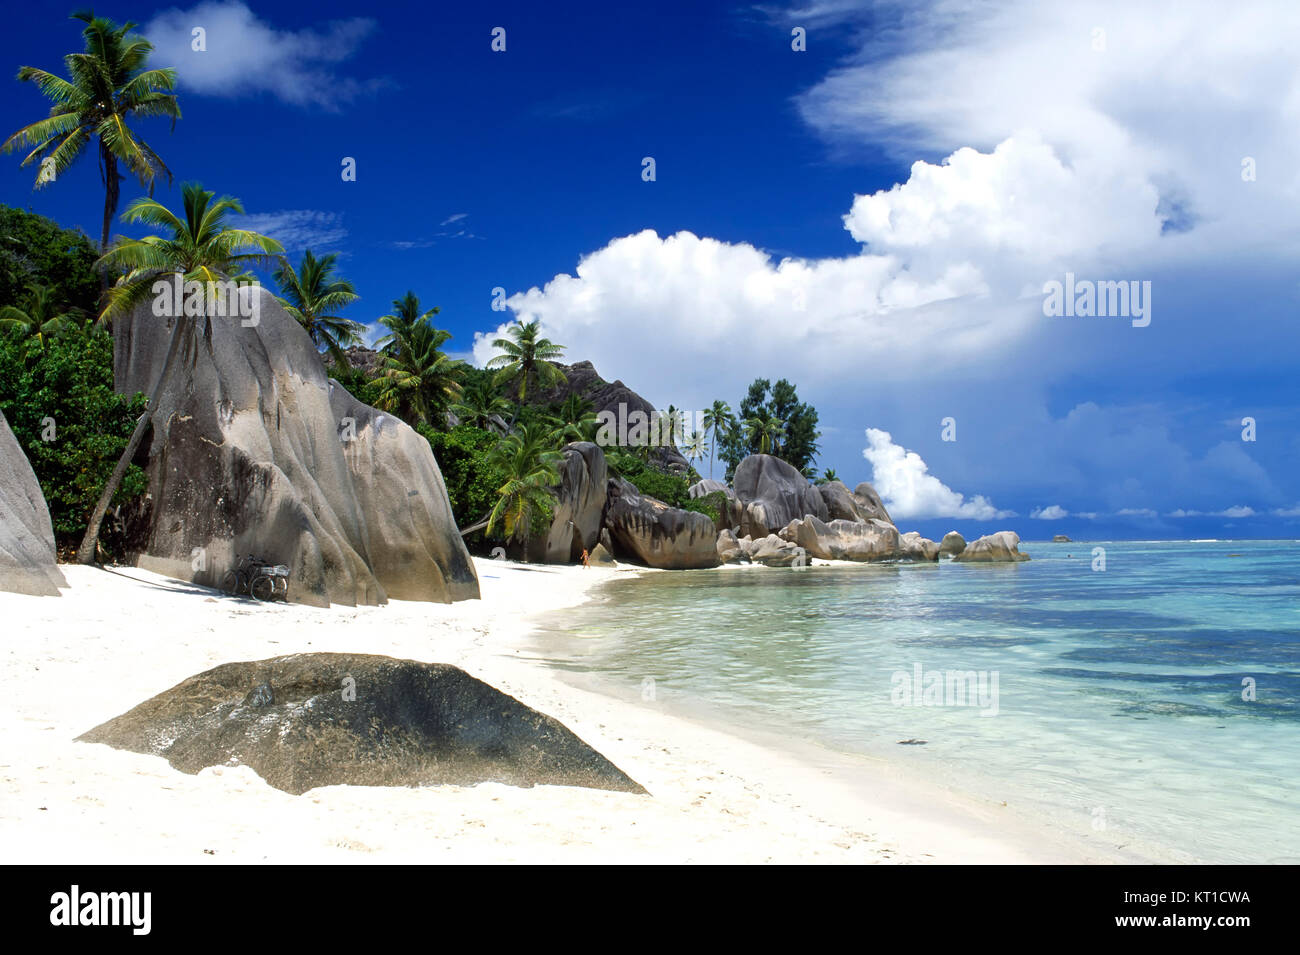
(586, 564)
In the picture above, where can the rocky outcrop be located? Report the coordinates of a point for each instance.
(328, 719)
(844, 540)
(1061, 539)
(729, 548)
(600, 557)
(28, 560)
(254, 450)
(912, 546)
(652, 533)
(952, 544)
(583, 380)
(580, 505)
(1002, 546)
(774, 494)
(773, 551)
(870, 506)
(707, 486)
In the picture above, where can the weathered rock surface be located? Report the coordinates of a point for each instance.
(580, 504)
(28, 560)
(912, 546)
(650, 532)
(952, 544)
(774, 494)
(600, 557)
(870, 506)
(773, 551)
(326, 719)
(729, 548)
(1002, 546)
(843, 539)
(252, 453)
(1061, 539)
(707, 486)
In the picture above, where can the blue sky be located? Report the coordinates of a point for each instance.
(874, 218)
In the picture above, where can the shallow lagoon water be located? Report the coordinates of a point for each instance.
(1119, 706)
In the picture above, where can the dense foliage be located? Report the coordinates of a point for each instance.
(64, 392)
(34, 250)
(772, 420)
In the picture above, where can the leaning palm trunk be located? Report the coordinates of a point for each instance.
(89, 543)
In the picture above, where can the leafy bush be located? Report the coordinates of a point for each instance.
(34, 250)
(472, 479)
(69, 385)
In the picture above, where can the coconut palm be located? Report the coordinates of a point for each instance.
(531, 463)
(311, 294)
(696, 446)
(722, 423)
(108, 84)
(481, 405)
(828, 476)
(400, 325)
(767, 430)
(576, 420)
(526, 358)
(201, 248)
(41, 320)
(419, 380)
(671, 427)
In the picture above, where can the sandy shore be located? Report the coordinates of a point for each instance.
(118, 637)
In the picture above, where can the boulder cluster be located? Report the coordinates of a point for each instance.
(770, 514)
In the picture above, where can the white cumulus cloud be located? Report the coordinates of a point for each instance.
(1052, 513)
(909, 490)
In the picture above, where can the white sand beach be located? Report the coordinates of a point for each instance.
(119, 636)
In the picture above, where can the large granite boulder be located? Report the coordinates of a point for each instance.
(912, 546)
(869, 504)
(730, 550)
(707, 486)
(28, 560)
(580, 504)
(774, 494)
(328, 719)
(254, 450)
(650, 532)
(774, 551)
(952, 544)
(1002, 546)
(844, 540)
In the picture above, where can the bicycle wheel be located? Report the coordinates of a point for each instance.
(282, 587)
(230, 583)
(263, 588)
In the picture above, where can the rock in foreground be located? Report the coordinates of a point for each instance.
(28, 563)
(327, 719)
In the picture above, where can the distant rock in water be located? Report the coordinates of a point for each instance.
(254, 450)
(328, 719)
(1002, 546)
(28, 560)
(1061, 539)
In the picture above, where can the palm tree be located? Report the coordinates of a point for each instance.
(40, 320)
(671, 427)
(108, 84)
(201, 248)
(696, 446)
(828, 476)
(402, 322)
(577, 419)
(481, 404)
(767, 430)
(531, 464)
(420, 380)
(527, 358)
(722, 423)
(311, 293)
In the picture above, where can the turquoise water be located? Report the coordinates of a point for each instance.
(1119, 693)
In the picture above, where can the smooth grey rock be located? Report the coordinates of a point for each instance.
(580, 504)
(870, 506)
(650, 532)
(1002, 546)
(254, 450)
(729, 548)
(952, 544)
(707, 486)
(328, 719)
(774, 494)
(600, 557)
(28, 558)
(773, 551)
(843, 539)
(912, 546)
